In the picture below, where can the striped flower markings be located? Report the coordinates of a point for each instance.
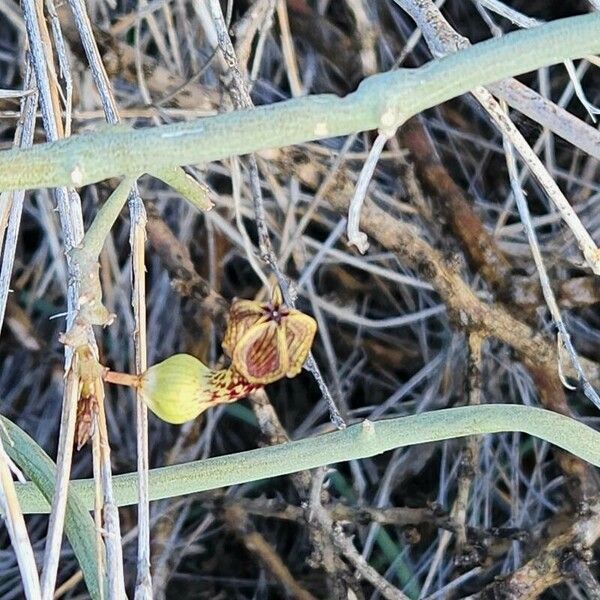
(265, 341)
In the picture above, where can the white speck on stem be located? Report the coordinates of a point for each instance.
(321, 129)
(387, 119)
(77, 176)
(367, 427)
(176, 134)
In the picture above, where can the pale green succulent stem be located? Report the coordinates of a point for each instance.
(356, 442)
(37, 466)
(382, 102)
(95, 236)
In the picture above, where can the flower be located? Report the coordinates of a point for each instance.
(267, 341)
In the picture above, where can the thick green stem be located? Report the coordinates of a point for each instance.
(355, 442)
(381, 102)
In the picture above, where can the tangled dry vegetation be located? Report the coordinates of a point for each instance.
(445, 309)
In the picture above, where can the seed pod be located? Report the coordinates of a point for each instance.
(181, 387)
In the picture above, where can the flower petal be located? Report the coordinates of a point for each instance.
(277, 296)
(243, 314)
(300, 331)
(261, 355)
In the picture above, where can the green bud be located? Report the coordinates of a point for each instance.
(175, 389)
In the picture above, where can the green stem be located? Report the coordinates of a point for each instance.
(193, 191)
(79, 526)
(105, 218)
(356, 442)
(84, 262)
(381, 102)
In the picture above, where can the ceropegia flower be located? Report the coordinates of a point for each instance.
(267, 341)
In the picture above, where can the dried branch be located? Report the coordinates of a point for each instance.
(258, 547)
(553, 563)
(240, 95)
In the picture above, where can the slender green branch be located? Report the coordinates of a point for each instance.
(381, 102)
(193, 191)
(95, 236)
(79, 526)
(355, 442)
(84, 263)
